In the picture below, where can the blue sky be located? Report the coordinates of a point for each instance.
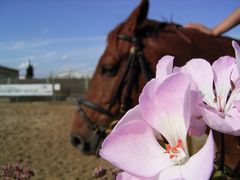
(70, 35)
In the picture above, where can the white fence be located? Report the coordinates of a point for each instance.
(26, 89)
(43, 89)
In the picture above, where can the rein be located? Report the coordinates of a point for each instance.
(135, 58)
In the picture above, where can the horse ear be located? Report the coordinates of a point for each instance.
(137, 16)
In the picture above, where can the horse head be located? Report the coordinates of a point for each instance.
(129, 60)
(104, 101)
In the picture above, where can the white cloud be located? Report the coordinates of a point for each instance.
(65, 57)
(22, 45)
(31, 44)
(24, 65)
(49, 57)
(27, 58)
(19, 45)
(37, 44)
(82, 61)
(45, 30)
(79, 39)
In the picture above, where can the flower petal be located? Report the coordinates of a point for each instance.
(235, 76)
(233, 119)
(200, 165)
(236, 104)
(164, 67)
(171, 173)
(202, 74)
(168, 108)
(223, 68)
(126, 176)
(229, 124)
(202, 162)
(234, 97)
(134, 148)
(132, 114)
(197, 124)
(237, 54)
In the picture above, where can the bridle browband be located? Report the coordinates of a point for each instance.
(135, 58)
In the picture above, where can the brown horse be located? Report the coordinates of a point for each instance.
(129, 60)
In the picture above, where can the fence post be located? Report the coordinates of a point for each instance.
(86, 84)
(53, 96)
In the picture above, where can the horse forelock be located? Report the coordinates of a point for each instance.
(148, 28)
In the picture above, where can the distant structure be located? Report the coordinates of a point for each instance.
(8, 73)
(68, 74)
(29, 71)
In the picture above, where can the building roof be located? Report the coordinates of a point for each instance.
(8, 68)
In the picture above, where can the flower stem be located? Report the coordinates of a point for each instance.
(222, 152)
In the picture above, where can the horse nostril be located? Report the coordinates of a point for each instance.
(76, 141)
(79, 143)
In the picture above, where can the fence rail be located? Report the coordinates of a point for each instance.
(69, 89)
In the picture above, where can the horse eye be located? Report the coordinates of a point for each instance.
(109, 70)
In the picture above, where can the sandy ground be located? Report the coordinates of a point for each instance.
(36, 135)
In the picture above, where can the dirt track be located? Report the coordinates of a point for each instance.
(36, 135)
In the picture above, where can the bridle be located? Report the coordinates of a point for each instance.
(136, 58)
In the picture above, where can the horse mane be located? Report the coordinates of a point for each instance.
(152, 27)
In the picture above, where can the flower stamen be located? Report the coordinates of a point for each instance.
(176, 153)
(220, 108)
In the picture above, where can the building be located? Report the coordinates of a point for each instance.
(8, 73)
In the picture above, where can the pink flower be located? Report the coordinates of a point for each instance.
(220, 87)
(164, 109)
(237, 54)
(197, 125)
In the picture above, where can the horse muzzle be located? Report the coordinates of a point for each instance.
(89, 145)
